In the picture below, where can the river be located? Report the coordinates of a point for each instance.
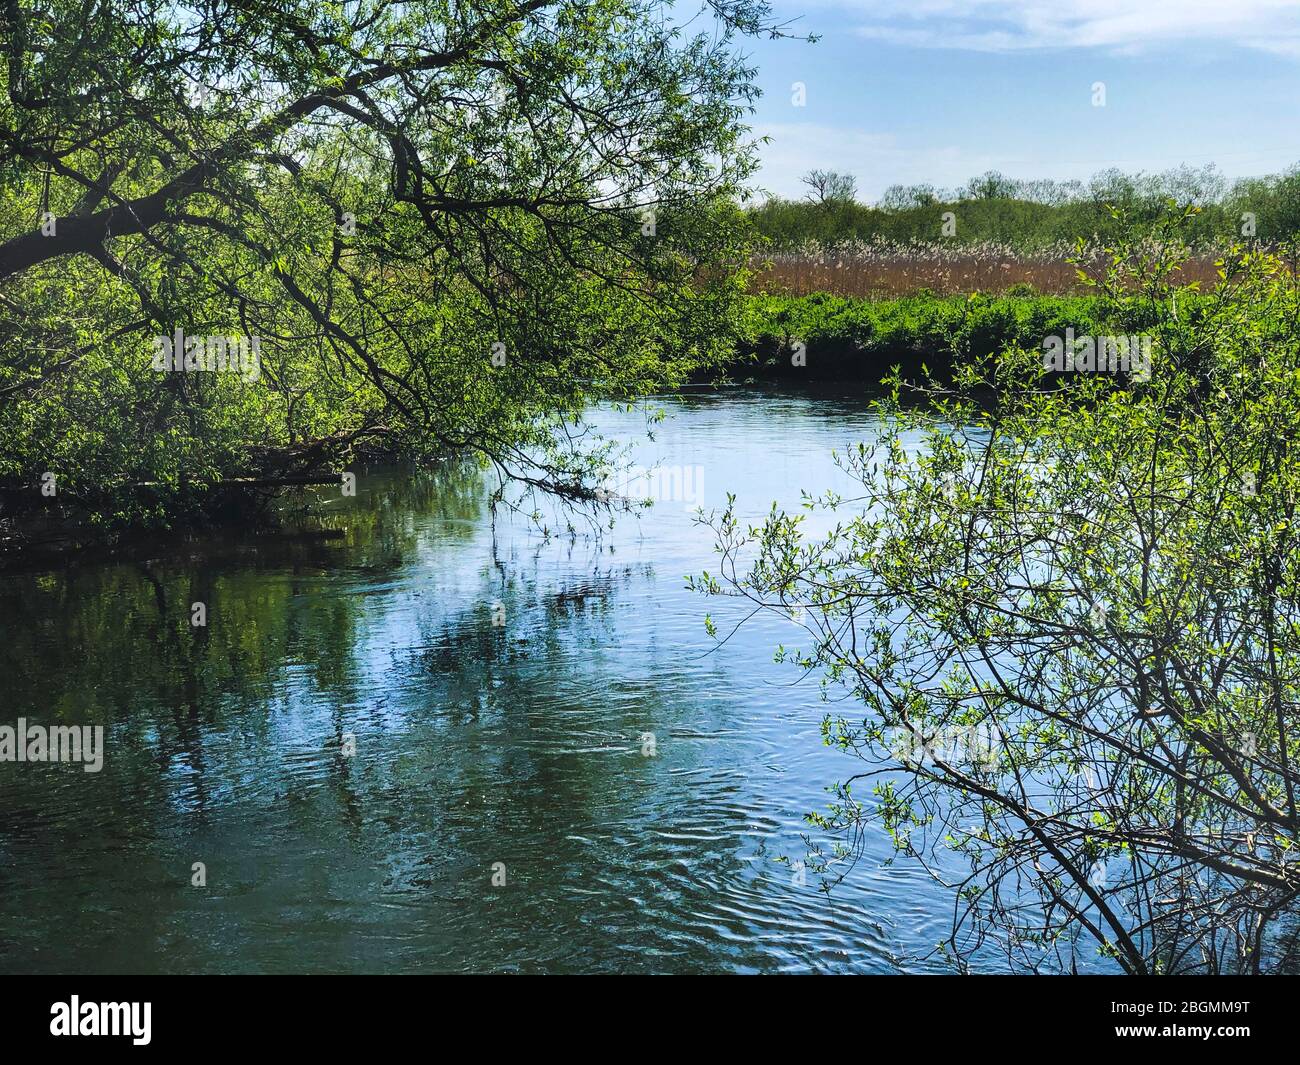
(554, 770)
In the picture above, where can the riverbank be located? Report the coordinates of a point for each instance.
(823, 337)
(789, 341)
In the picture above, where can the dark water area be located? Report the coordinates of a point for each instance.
(502, 690)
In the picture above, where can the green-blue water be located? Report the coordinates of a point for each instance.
(476, 743)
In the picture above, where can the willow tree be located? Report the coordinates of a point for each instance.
(448, 224)
(1066, 606)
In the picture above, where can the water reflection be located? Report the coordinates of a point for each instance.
(499, 688)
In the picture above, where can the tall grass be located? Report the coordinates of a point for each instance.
(881, 268)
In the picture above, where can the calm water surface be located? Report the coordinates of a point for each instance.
(475, 743)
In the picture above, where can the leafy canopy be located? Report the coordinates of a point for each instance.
(385, 195)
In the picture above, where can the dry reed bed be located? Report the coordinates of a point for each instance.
(883, 269)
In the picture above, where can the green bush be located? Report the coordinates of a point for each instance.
(859, 339)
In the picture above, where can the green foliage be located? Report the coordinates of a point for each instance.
(860, 339)
(386, 196)
(1099, 573)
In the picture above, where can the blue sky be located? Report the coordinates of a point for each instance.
(908, 91)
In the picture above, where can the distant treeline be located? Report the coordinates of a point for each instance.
(1033, 214)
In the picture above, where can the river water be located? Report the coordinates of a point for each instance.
(552, 773)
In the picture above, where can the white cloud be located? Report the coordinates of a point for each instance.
(1114, 25)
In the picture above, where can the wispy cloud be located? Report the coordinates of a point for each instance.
(1112, 25)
